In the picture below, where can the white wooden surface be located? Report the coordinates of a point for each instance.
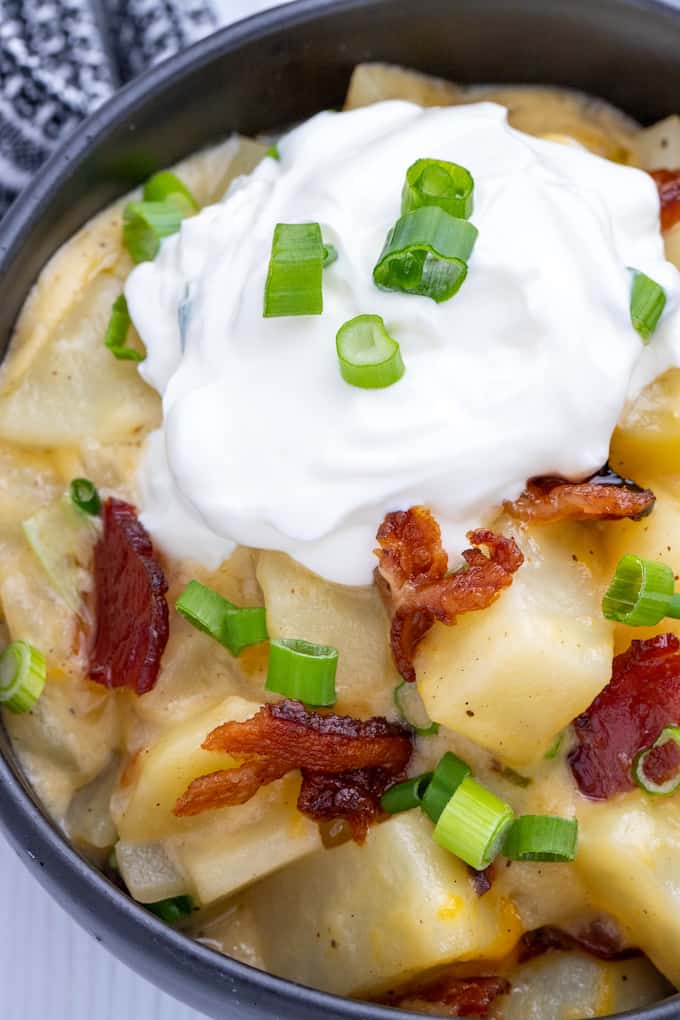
(49, 968)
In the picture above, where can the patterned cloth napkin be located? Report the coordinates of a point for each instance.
(59, 59)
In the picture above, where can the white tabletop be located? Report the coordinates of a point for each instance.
(49, 968)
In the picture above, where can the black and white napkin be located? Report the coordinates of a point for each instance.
(59, 59)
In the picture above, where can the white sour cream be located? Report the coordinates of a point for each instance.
(524, 372)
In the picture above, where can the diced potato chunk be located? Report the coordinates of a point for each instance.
(646, 443)
(373, 83)
(226, 850)
(629, 854)
(360, 918)
(301, 604)
(558, 986)
(658, 147)
(162, 772)
(149, 872)
(510, 677)
(656, 537)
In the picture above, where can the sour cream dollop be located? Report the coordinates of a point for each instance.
(524, 372)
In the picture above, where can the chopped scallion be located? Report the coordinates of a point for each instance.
(273, 152)
(233, 626)
(84, 495)
(406, 795)
(410, 707)
(447, 777)
(436, 182)
(641, 593)
(647, 302)
(369, 357)
(330, 255)
(117, 331)
(303, 671)
(145, 224)
(426, 253)
(541, 838)
(294, 279)
(164, 185)
(22, 676)
(172, 910)
(664, 788)
(473, 824)
(554, 748)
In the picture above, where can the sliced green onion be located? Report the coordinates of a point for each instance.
(406, 795)
(303, 671)
(22, 676)
(273, 152)
(84, 495)
(117, 331)
(293, 284)
(63, 537)
(172, 910)
(554, 748)
(473, 824)
(369, 357)
(647, 302)
(164, 185)
(672, 785)
(233, 626)
(145, 224)
(426, 253)
(516, 778)
(541, 838)
(447, 777)
(436, 182)
(330, 255)
(641, 593)
(411, 709)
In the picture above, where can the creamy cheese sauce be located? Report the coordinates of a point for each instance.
(524, 372)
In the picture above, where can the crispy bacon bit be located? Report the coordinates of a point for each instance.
(450, 996)
(412, 572)
(482, 880)
(605, 496)
(347, 764)
(600, 939)
(642, 698)
(662, 763)
(668, 185)
(131, 611)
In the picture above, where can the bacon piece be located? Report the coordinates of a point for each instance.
(130, 608)
(450, 996)
(662, 763)
(605, 496)
(642, 698)
(347, 764)
(412, 573)
(482, 880)
(668, 185)
(599, 939)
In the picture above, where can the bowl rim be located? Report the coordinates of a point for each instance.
(37, 840)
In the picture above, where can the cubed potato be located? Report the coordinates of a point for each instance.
(510, 677)
(224, 851)
(559, 986)
(162, 771)
(373, 83)
(361, 918)
(149, 872)
(302, 604)
(658, 147)
(656, 537)
(629, 854)
(646, 443)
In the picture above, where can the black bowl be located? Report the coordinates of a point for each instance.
(274, 69)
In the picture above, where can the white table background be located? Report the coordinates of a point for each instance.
(49, 968)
